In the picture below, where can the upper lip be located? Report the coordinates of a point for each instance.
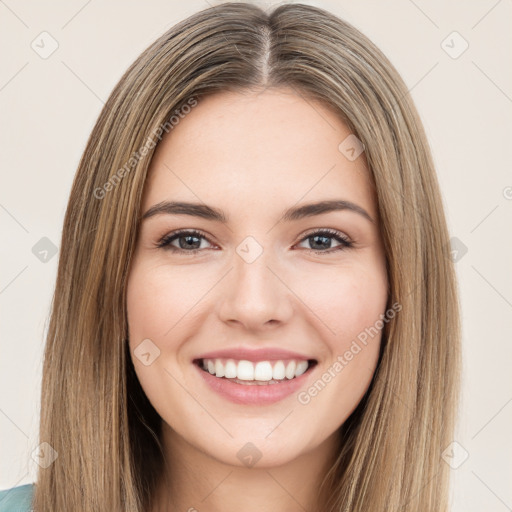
(254, 355)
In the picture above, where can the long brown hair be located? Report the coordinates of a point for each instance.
(94, 413)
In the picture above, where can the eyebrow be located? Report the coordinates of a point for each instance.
(292, 214)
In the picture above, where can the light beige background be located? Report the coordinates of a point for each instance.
(49, 107)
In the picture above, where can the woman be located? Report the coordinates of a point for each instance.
(254, 306)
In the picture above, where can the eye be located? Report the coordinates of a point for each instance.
(188, 241)
(320, 240)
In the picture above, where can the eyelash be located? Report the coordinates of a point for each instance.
(165, 241)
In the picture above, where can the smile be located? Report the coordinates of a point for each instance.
(255, 372)
(256, 383)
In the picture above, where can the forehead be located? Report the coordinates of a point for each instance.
(252, 148)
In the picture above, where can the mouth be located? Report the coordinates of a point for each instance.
(256, 373)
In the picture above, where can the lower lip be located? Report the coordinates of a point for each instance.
(253, 394)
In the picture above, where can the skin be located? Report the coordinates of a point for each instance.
(254, 154)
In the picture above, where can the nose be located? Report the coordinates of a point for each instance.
(255, 295)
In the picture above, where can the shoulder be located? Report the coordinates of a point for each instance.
(16, 499)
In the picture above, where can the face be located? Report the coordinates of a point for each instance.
(238, 287)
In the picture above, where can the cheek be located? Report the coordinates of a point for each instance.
(346, 300)
(145, 306)
(154, 308)
(157, 298)
(350, 303)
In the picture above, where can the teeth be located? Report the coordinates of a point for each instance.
(278, 372)
(230, 369)
(302, 366)
(245, 370)
(262, 371)
(219, 368)
(290, 370)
